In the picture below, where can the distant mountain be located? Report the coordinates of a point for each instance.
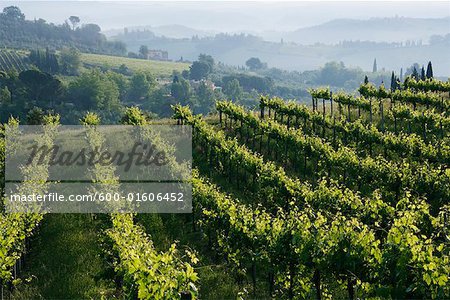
(395, 29)
(179, 31)
(172, 31)
(370, 39)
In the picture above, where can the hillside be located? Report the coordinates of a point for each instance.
(236, 49)
(172, 31)
(285, 183)
(19, 33)
(18, 60)
(395, 42)
(237, 168)
(374, 29)
(156, 68)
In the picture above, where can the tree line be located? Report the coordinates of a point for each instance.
(17, 32)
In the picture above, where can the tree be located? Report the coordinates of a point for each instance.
(233, 90)
(140, 86)
(199, 70)
(393, 81)
(5, 95)
(41, 86)
(185, 74)
(160, 101)
(94, 90)
(47, 62)
(410, 70)
(415, 74)
(207, 59)
(375, 67)
(143, 51)
(429, 70)
(122, 83)
(250, 82)
(17, 32)
(75, 21)
(70, 61)
(336, 74)
(90, 34)
(366, 79)
(13, 13)
(124, 70)
(132, 55)
(422, 73)
(35, 116)
(205, 96)
(254, 64)
(180, 90)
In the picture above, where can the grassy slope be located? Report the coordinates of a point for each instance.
(66, 261)
(157, 68)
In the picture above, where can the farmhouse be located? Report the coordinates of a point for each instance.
(158, 55)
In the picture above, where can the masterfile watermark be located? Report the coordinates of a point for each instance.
(79, 169)
(139, 155)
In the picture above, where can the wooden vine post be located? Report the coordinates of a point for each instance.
(331, 103)
(334, 131)
(323, 107)
(316, 279)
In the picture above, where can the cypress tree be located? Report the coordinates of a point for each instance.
(366, 80)
(47, 65)
(415, 74)
(375, 68)
(401, 74)
(393, 81)
(429, 70)
(41, 59)
(422, 74)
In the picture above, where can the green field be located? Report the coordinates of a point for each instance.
(157, 68)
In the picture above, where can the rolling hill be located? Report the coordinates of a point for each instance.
(156, 68)
(375, 29)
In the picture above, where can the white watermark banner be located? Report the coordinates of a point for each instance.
(98, 169)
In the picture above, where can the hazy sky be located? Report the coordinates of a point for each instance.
(224, 16)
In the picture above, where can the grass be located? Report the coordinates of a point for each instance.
(156, 68)
(160, 69)
(66, 261)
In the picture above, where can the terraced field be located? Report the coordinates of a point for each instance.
(13, 60)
